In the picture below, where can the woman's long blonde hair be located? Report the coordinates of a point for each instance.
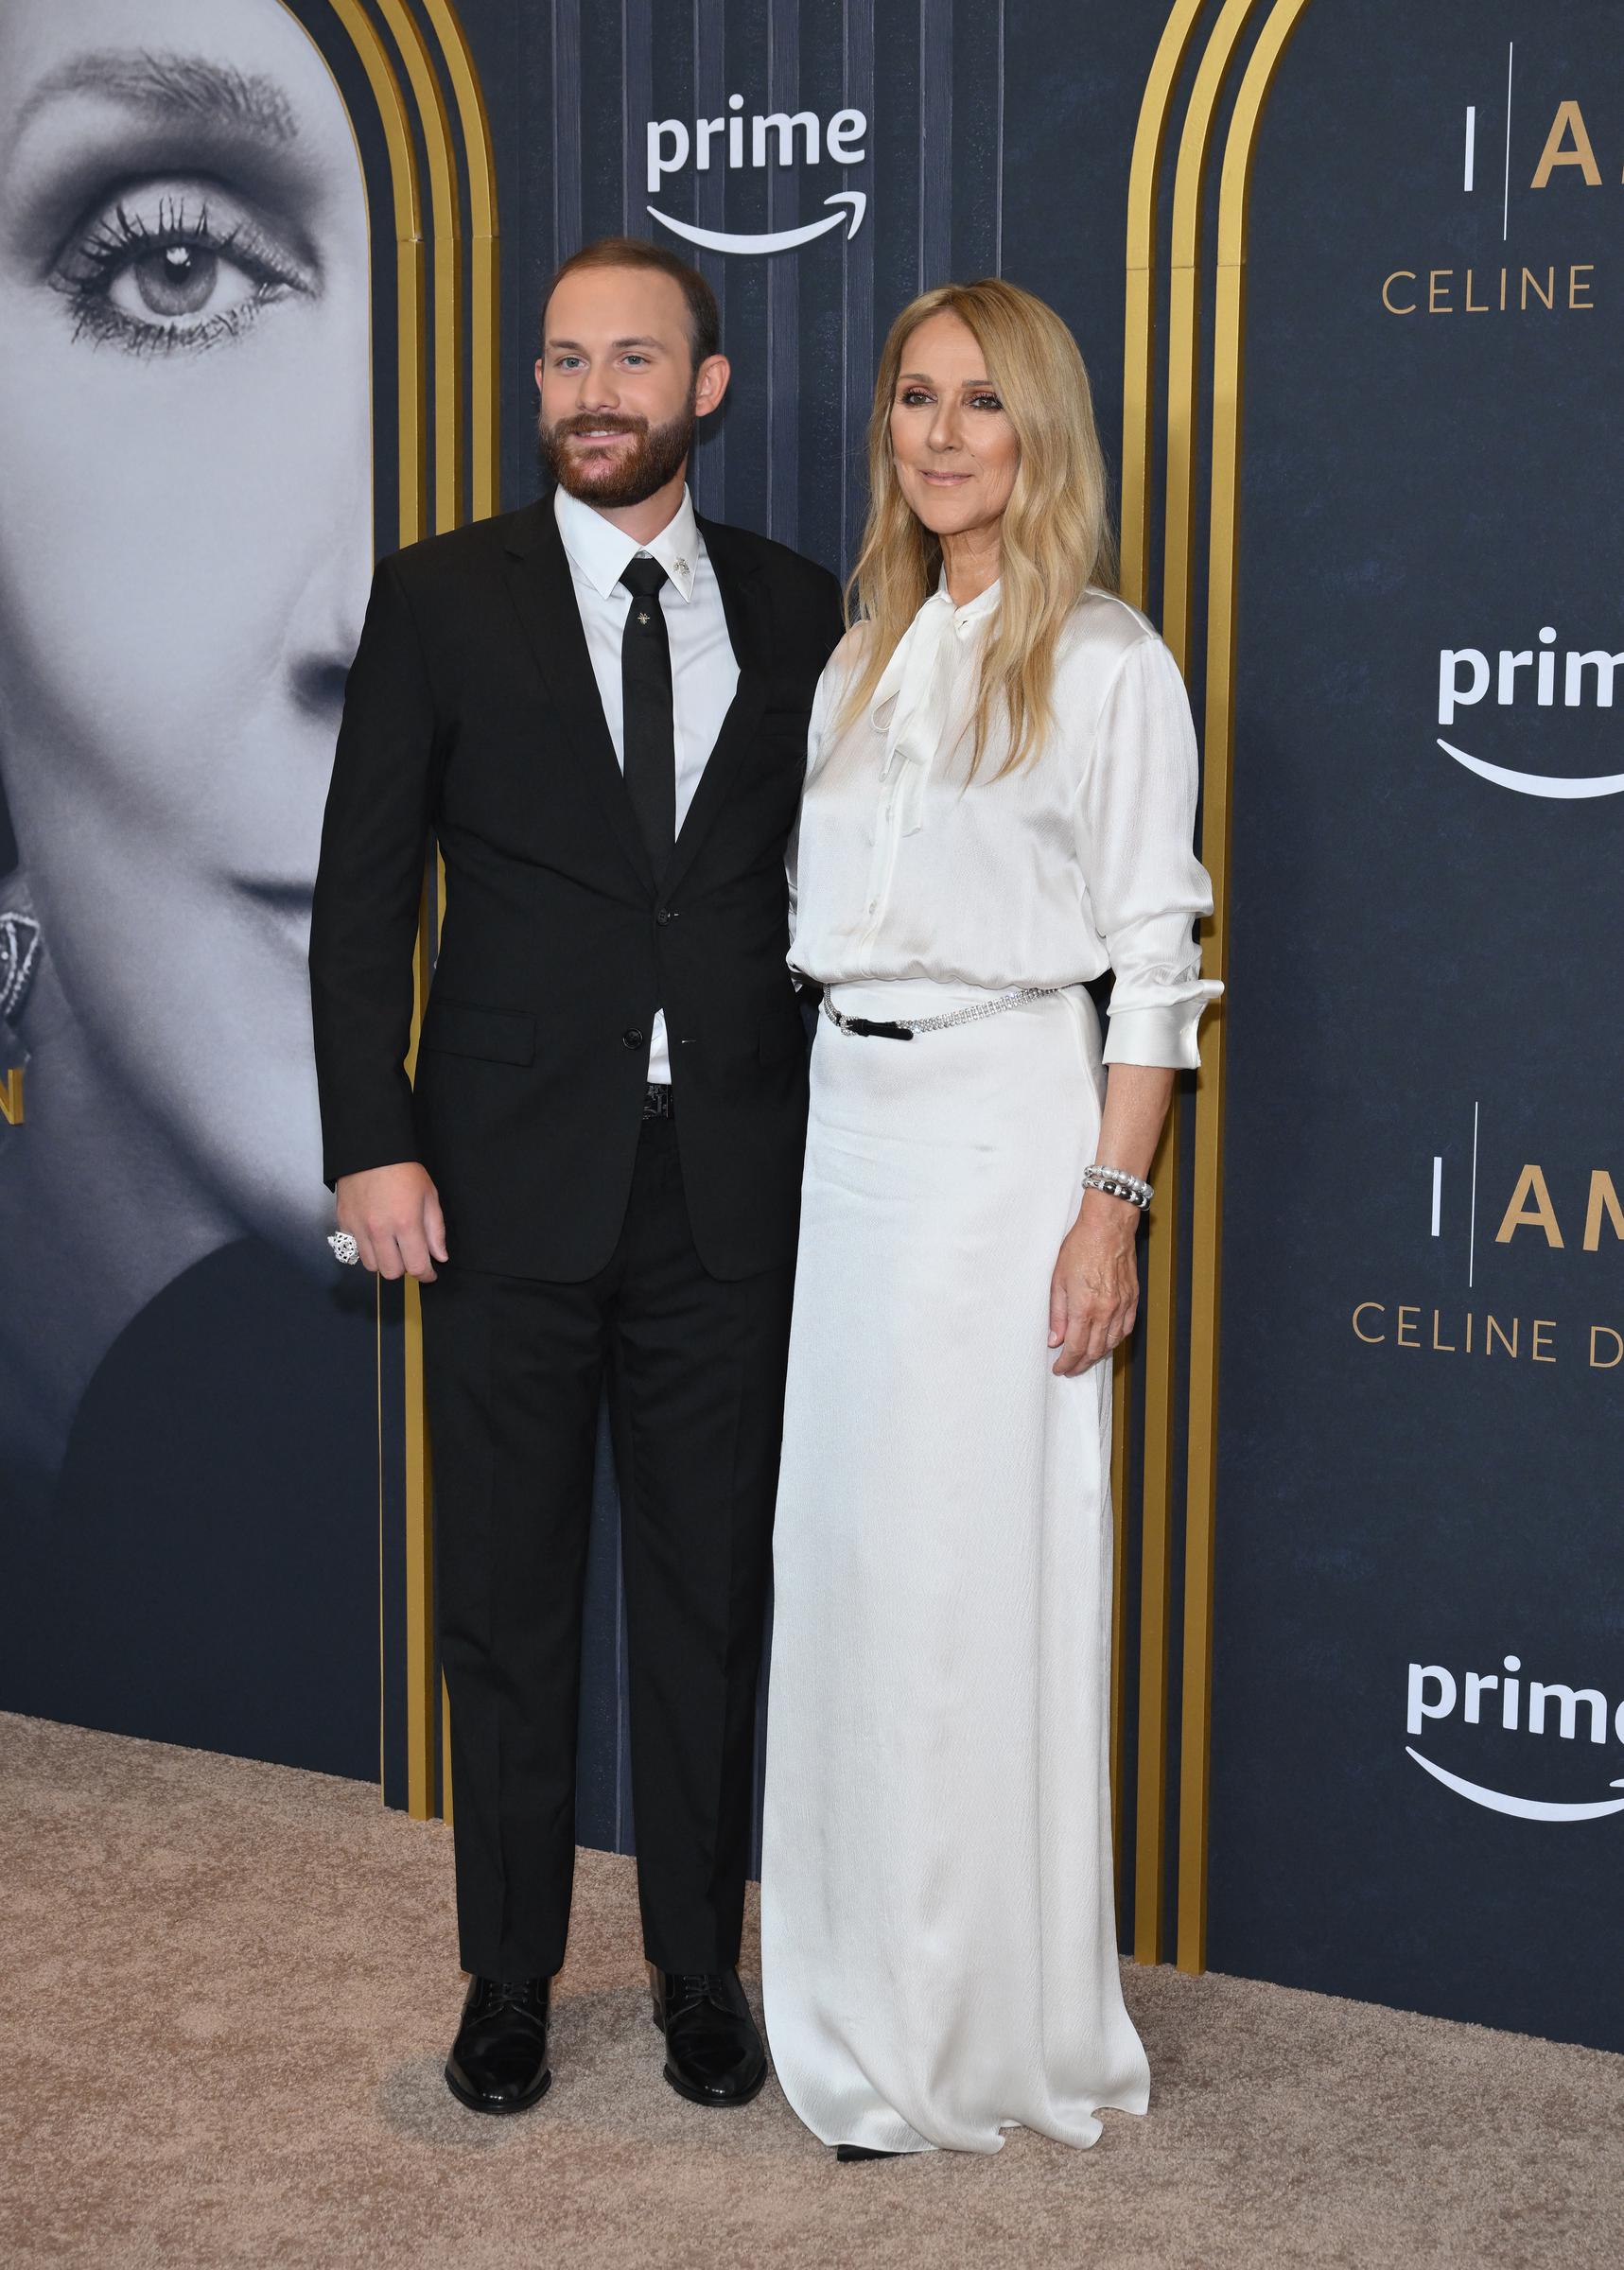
(1055, 538)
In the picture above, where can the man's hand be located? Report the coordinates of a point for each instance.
(394, 1215)
(1093, 1296)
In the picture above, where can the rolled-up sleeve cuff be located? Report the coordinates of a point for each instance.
(1163, 1035)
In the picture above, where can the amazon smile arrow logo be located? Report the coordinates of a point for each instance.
(1564, 785)
(1520, 1809)
(773, 240)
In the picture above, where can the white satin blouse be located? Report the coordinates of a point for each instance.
(1079, 862)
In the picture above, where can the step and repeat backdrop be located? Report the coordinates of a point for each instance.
(271, 273)
(1418, 1740)
(256, 330)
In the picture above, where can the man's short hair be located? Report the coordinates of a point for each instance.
(704, 321)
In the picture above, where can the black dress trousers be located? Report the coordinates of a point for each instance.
(515, 1369)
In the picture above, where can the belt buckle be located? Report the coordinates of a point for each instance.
(656, 1100)
(865, 1028)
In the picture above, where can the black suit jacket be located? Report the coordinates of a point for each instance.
(472, 715)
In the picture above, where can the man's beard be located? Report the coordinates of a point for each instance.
(627, 480)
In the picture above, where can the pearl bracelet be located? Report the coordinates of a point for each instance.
(1116, 1182)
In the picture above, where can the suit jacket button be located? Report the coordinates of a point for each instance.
(633, 1039)
(665, 914)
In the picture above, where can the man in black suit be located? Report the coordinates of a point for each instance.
(598, 706)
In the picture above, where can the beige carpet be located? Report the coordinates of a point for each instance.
(226, 1990)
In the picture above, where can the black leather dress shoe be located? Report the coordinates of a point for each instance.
(713, 2055)
(499, 2059)
(846, 2154)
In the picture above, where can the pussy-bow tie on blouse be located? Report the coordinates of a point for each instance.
(913, 702)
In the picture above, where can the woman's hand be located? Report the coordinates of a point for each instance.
(1094, 1295)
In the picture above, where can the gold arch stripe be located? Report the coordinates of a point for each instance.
(1137, 398)
(1229, 313)
(411, 380)
(484, 255)
(445, 206)
(1160, 1342)
(1160, 1331)
(484, 334)
(1139, 348)
(1184, 323)
(453, 338)
(445, 247)
(433, 121)
(410, 472)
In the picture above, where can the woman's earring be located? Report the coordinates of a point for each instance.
(19, 952)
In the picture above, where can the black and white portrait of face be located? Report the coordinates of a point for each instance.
(186, 544)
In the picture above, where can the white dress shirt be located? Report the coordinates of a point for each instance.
(1079, 862)
(704, 672)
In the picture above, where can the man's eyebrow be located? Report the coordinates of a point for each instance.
(173, 86)
(575, 346)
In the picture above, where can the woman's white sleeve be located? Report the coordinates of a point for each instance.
(1135, 830)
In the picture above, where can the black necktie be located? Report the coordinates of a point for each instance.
(645, 691)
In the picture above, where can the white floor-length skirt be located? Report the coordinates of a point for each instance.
(938, 1944)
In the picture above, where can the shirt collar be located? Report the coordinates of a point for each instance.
(973, 611)
(599, 551)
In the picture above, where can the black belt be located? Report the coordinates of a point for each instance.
(656, 1101)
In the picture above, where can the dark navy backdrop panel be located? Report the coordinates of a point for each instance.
(1421, 1448)
(995, 138)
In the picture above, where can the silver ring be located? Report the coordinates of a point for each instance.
(344, 1248)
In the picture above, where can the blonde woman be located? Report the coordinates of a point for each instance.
(999, 807)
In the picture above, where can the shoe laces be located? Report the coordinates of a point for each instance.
(697, 1985)
(505, 1994)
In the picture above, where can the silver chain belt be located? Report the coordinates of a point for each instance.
(904, 1028)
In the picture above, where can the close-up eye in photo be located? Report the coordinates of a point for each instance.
(173, 264)
(812, 1191)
